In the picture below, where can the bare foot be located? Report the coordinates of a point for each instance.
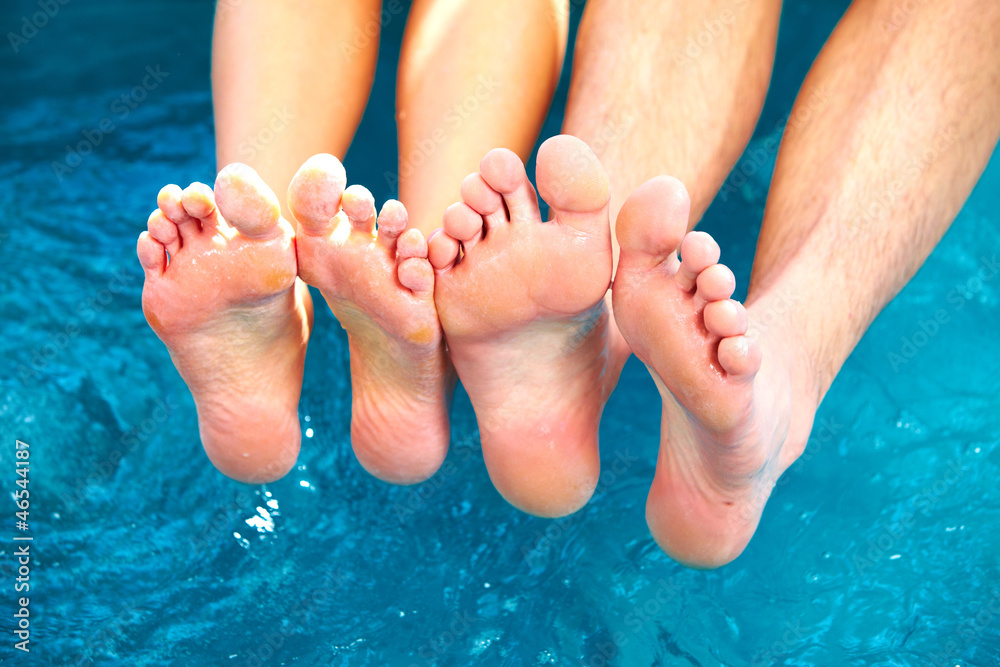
(523, 311)
(380, 287)
(728, 429)
(221, 293)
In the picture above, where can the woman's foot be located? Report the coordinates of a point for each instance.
(522, 306)
(730, 424)
(380, 287)
(221, 293)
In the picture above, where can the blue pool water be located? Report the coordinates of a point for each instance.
(880, 548)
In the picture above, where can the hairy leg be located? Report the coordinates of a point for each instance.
(472, 76)
(861, 194)
(670, 87)
(868, 186)
(289, 80)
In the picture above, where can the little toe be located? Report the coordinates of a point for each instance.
(442, 250)
(503, 171)
(391, 222)
(463, 224)
(715, 283)
(652, 222)
(726, 318)
(169, 201)
(417, 275)
(199, 202)
(246, 202)
(411, 244)
(152, 255)
(164, 231)
(359, 205)
(315, 192)
(698, 252)
(484, 200)
(740, 356)
(572, 181)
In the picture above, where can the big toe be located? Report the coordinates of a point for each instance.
(573, 182)
(246, 202)
(652, 223)
(314, 195)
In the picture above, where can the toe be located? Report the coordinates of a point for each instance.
(417, 275)
(740, 356)
(152, 255)
(412, 244)
(715, 283)
(504, 172)
(164, 231)
(572, 181)
(652, 222)
(199, 202)
(698, 252)
(726, 318)
(169, 201)
(359, 205)
(315, 192)
(391, 223)
(442, 250)
(484, 200)
(246, 202)
(463, 224)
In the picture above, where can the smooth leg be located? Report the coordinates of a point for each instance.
(473, 76)
(289, 80)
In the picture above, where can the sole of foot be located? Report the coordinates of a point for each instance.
(221, 292)
(380, 286)
(523, 310)
(726, 431)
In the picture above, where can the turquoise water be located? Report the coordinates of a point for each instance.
(879, 548)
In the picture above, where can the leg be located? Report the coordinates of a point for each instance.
(289, 80)
(473, 75)
(682, 99)
(670, 87)
(860, 196)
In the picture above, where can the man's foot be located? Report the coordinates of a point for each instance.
(730, 423)
(380, 287)
(221, 293)
(522, 306)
